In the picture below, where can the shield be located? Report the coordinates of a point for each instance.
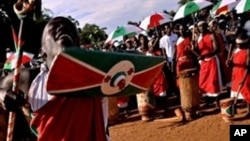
(121, 31)
(155, 20)
(224, 6)
(243, 6)
(191, 7)
(97, 73)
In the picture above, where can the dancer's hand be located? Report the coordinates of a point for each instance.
(13, 101)
(229, 63)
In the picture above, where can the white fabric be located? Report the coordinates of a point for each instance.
(240, 6)
(181, 11)
(38, 95)
(168, 43)
(234, 94)
(105, 110)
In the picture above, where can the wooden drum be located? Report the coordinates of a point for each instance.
(146, 105)
(189, 89)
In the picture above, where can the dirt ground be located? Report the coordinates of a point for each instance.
(209, 127)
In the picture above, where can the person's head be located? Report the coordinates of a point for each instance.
(213, 25)
(167, 29)
(242, 40)
(233, 15)
(58, 33)
(183, 30)
(202, 27)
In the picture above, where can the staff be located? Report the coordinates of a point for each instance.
(21, 8)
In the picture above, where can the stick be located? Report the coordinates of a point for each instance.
(12, 115)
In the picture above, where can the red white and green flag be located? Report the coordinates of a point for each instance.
(224, 6)
(102, 73)
(12, 58)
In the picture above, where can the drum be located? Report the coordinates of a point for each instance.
(113, 110)
(189, 90)
(227, 110)
(146, 105)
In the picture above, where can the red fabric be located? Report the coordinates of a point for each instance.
(159, 85)
(70, 119)
(223, 9)
(185, 58)
(205, 45)
(239, 61)
(155, 20)
(209, 71)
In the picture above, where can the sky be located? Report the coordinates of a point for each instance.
(108, 13)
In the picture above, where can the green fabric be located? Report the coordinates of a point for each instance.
(121, 31)
(190, 8)
(7, 66)
(247, 6)
(216, 6)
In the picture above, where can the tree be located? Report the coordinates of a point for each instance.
(92, 34)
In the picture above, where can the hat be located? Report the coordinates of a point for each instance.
(242, 38)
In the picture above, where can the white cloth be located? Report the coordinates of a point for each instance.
(234, 94)
(168, 43)
(105, 109)
(38, 95)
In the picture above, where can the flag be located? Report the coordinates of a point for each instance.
(102, 73)
(12, 58)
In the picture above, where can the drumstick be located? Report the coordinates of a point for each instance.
(193, 39)
(229, 56)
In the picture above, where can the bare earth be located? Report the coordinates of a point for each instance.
(209, 127)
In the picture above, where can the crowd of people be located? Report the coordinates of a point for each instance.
(203, 57)
(206, 61)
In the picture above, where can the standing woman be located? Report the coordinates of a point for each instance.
(210, 80)
(241, 63)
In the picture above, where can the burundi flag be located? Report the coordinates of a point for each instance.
(99, 73)
(12, 58)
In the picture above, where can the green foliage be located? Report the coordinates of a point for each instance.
(92, 34)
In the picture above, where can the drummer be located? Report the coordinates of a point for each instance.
(186, 61)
